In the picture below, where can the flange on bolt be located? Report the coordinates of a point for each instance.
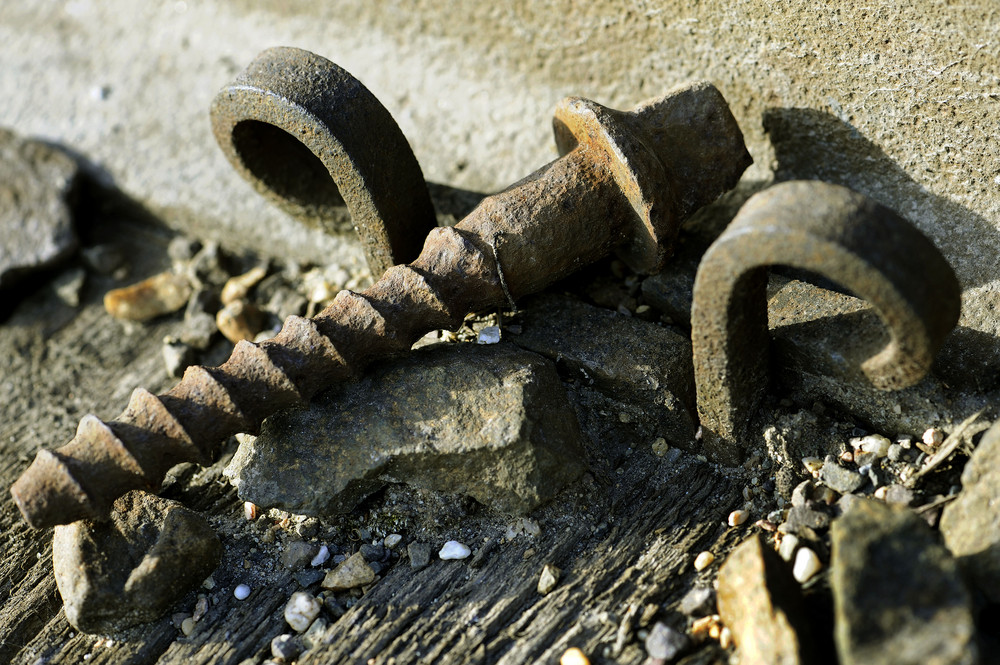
(311, 138)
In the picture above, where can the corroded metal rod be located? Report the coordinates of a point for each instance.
(841, 235)
(626, 180)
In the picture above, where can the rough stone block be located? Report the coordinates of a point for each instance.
(492, 422)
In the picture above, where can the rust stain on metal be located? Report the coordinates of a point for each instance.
(626, 180)
(841, 235)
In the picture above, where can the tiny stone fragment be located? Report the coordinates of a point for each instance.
(789, 545)
(160, 294)
(300, 611)
(102, 259)
(738, 517)
(703, 561)
(875, 443)
(177, 356)
(933, 437)
(392, 540)
(489, 335)
(807, 564)
(237, 288)
(574, 656)
(239, 320)
(898, 494)
(453, 549)
(548, 579)
(898, 596)
(350, 574)
(420, 555)
(298, 554)
(69, 284)
(321, 556)
(241, 592)
(313, 637)
(840, 479)
(285, 648)
(310, 576)
(665, 643)
(134, 567)
(762, 604)
(699, 601)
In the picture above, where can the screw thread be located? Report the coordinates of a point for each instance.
(155, 432)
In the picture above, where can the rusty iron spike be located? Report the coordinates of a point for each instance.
(627, 180)
(831, 231)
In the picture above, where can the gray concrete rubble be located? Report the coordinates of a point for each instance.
(762, 604)
(132, 568)
(37, 184)
(898, 594)
(492, 422)
(971, 523)
(648, 366)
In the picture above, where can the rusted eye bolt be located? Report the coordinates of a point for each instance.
(836, 233)
(311, 138)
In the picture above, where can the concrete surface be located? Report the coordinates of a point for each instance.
(901, 103)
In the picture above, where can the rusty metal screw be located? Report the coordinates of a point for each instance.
(834, 232)
(626, 180)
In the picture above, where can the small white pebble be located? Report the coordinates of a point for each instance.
(187, 626)
(574, 656)
(881, 492)
(392, 540)
(875, 443)
(454, 550)
(703, 561)
(806, 565)
(738, 517)
(812, 464)
(301, 610)
(250, 510)
(489, 335)
(321, 557)
(790, 543)
(725, 637)
(548, 579)
(933, 437)
(241, 592)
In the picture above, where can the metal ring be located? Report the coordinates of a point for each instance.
(311, 138)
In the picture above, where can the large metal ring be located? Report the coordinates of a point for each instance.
(311, 138)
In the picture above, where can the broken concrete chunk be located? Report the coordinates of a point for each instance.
(647, 364)
(971, 523)
(762, 604)
(492, 422)
(36, 219)
(160, 294)
(898, 596)
(132, 568)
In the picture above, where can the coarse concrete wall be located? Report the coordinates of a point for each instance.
(900, 101)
